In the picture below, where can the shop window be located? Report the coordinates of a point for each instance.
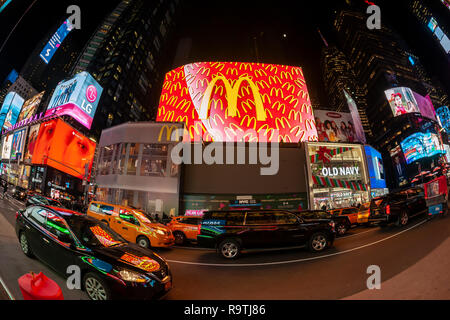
(122, 153)
(152, 167)
(133, 159)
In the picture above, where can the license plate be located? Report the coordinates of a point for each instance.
(168, 285)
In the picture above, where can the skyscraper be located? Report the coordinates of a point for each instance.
(125, 56)
(338, 76)
(380, 61)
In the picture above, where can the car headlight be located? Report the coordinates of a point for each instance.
(160, 231)
(132, 276)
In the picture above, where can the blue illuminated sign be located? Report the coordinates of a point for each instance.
(55, 41)
(10, 110)
(443, 114)
(5, 3)
(376, 169)
(421, 145)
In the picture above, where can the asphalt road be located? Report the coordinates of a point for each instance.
(287, 274)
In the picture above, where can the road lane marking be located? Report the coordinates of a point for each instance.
(11, 297)
(297, 260)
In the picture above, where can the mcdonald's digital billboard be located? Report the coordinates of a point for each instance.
(234, 101)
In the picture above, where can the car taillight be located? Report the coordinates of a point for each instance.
(17, 214)
(199, 229)
(388, 209)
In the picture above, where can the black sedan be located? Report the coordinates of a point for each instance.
(19, 193)
(111, 268)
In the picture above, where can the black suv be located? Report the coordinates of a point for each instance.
(231, 231)
(398, 207)
(342, 222)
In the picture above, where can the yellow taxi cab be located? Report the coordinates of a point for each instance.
(351, 213)
(132, 224)
(363, 214)
(184, 228)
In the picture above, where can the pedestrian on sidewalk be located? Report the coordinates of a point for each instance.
(5, 190)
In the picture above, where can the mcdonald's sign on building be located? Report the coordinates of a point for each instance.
(231, 101)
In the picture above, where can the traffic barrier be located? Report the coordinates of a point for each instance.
(39, 287)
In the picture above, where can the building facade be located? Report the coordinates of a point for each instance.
(125, 56)
(134, 167)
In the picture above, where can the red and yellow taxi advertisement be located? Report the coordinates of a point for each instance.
(234, 101)
(61, 147)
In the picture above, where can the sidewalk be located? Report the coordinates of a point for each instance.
(428, 279)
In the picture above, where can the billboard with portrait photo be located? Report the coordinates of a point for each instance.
(32, 137)
(335, 126)
(401, 100)
(6, 146)
(18, 142)
(60, 146)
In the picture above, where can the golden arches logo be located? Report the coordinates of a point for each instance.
(169, 130)
(232, 97)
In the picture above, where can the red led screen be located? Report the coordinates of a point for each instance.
(233, 101)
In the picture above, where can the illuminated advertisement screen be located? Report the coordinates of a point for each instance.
(233, 101)
(77, 97)
(421, 145)
(360, 136)
(447, 152)
(55, 41)
(335, 126)
(10, 109)
(376, 169)
(401, 100)
(32, 137)
(12, 76)
(399, 165)
(443, 114)
(425, 106)
(30, 106)
(6, 146)
(61, 147)
(18, 143)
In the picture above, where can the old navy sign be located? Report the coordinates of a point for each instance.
(343, 171)
(25, 122)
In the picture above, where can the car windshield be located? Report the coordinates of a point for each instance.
(144, 217)
(93, 233)
(47, 201)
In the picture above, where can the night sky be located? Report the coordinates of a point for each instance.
(218, 30)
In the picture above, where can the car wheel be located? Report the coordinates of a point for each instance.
(143, 242)
(341, 229)
(403, 219)
(25, 245)
(230, 248)
(96, 288)
(180, 238)
(318, 242)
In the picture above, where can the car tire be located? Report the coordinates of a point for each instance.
(342, 229)
(402, 219)
(25, 245)
(95, 287)
(180, 238)
(229, 248)
(143, 242)
(318, 242)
